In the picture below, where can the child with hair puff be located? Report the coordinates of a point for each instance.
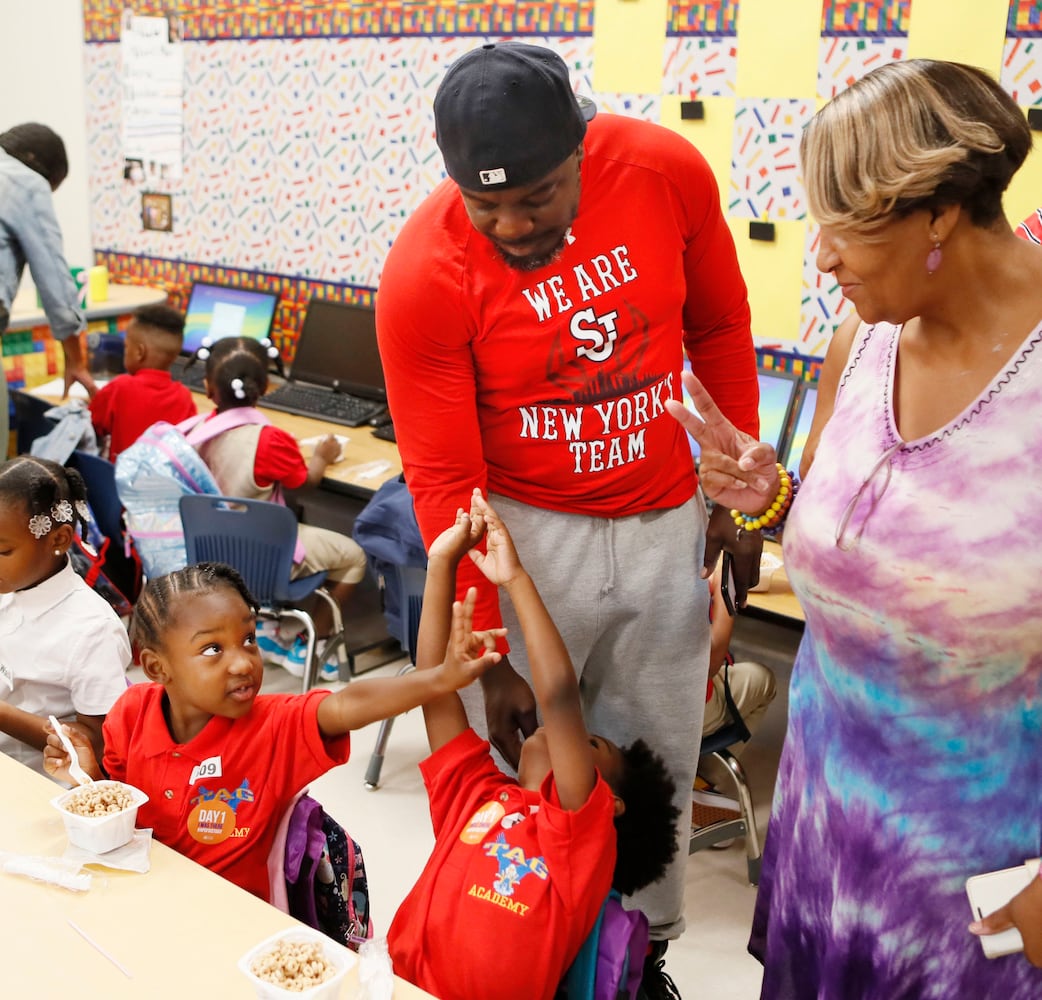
(63, 650)
(258, 461)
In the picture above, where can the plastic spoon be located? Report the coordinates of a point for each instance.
(81, 776)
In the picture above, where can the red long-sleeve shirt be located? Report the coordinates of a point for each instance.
(548, 386)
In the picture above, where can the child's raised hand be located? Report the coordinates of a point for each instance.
(56, 760)
(465, 533)
(469, 653)
(499, 561)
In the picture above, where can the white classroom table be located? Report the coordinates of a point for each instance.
(179, 930)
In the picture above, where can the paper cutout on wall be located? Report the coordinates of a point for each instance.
(700, 66)
(865, 17)
(1022, 56)
(765, 181)
(822, 307)
(846, 59)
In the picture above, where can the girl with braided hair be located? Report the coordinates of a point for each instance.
(63, 650)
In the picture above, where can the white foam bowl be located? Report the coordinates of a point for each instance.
(100, 834)
(341, 958)
(769, 563)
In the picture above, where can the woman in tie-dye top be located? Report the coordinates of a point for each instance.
(914, 752)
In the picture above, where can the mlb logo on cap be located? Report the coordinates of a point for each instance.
(497, 176)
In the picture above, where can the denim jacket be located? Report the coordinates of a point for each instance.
(29, 234)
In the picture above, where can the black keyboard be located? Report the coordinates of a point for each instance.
(191, 377)
(385, 432)
(321, 404)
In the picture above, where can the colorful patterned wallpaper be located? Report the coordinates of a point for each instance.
(309, 137)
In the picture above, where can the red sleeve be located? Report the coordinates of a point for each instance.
(102, 407)
(716, 313)
(432, 392)
(278, 460)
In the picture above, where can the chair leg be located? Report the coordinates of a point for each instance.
(745, 801)
(376, 761)
(310, 661)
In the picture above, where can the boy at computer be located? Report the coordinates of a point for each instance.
(128, 405)
(521, 866)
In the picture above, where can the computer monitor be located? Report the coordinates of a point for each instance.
(777, 398)
(337, 348)
(804, 415)
(217, 311)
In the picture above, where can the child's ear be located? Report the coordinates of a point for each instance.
(61, 538)
(620, 806)
(154, 665)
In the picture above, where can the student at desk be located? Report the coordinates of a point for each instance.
(32, 166)
(257, 461)
(128, 405)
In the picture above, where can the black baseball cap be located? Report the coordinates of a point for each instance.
(505, 115)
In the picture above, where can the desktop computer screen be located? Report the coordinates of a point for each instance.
(217, 311)
(777, 398)
(805, 404)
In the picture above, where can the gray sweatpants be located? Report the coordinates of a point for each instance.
(627, 598)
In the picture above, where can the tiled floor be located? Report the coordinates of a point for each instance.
(391, 823)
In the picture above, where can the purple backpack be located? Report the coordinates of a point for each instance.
(325, 876)
(610, 962)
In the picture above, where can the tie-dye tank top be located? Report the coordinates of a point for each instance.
(913, 757)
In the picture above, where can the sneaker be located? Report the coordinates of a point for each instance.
(655, 982)
(272, 646)
(296, 658)
(708, 806)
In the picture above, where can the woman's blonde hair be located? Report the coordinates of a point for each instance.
(910, 135)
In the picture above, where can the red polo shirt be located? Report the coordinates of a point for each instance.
(130, 404)
(218, 799)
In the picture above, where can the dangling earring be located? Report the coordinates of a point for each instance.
(933, 258)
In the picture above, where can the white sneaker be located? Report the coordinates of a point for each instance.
(295, 660)
(272, 646)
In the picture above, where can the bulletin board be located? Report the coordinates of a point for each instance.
(309, 138)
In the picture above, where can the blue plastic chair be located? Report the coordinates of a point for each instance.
(99, 476)
(257, 538)
(716, 744)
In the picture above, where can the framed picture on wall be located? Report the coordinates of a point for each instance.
(157, 212)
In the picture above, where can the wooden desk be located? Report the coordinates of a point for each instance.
(122, 300)
(779, 601)
(179, 929)
(367, 462)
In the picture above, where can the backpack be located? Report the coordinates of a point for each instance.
(326, 884)
(610, 962)
(154, 473)
(387, 531)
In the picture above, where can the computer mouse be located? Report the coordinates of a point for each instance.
(380, 419)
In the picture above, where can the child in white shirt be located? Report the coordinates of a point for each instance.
(63, 650)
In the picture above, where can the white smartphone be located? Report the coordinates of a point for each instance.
(987, 893)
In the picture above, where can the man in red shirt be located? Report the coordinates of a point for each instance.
(531, 318)
(130, 404)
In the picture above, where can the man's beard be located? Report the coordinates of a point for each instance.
(532, 261)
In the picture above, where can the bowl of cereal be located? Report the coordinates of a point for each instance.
(100, 816)
(300, 962)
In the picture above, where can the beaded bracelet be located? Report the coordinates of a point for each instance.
(773, 515)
